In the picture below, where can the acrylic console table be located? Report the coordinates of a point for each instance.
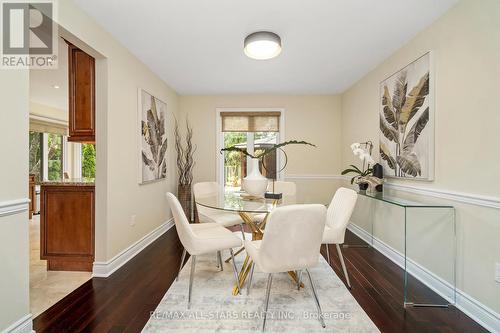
(419, 237)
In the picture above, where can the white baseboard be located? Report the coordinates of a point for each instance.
(480, 313)
(106, 268)
(23, 325)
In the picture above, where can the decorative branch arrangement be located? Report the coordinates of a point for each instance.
(185, 161)
(267, 151)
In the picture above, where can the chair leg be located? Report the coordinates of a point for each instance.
(249, 285)
(219, 259)
(242, 231)
(328, 254)
(182, 263)
(344, 268)
(266, 303)
(320, 313)
(235, 270)
(191, 277)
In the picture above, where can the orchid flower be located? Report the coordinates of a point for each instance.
(355, 145)
(358, 152)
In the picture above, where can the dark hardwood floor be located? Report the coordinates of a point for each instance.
(122, 302)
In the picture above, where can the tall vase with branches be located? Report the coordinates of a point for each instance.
(185, 164)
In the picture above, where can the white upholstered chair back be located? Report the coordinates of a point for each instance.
(292, 238)
(340, 211)
(205, 189)
(186, 234)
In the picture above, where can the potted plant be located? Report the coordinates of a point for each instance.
(364, 152)
(255, 183)
(185, 164)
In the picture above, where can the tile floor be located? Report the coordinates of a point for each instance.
(47, 288)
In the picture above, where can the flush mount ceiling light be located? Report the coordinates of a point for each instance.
(262, 45)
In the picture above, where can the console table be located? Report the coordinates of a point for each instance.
(419, 237)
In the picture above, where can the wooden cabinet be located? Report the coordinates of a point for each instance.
(81, 68)
(32, 195)
(67, 227)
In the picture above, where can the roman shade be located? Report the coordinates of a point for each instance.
(250, 121)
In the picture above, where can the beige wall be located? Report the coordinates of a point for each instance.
(117, 187)
(14, 254)
(465, 45)
(315, 119)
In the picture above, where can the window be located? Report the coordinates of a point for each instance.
(88, 160)
(54, 156)
(35, 155)
(253, 132)
(46, 156)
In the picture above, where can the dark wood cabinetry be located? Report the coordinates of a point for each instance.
(67, 226)
(81, 68)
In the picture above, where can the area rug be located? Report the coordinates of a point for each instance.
(215, 309)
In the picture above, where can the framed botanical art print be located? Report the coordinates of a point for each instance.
(152, 138)
(407, 121)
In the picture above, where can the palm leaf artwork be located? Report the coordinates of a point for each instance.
(402, 120)
(155, 147)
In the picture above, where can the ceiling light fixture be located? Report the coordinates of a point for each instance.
(55, 86)
(262, 45)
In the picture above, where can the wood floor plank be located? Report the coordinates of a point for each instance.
(123, 302)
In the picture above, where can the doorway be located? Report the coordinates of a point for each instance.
(52, 157)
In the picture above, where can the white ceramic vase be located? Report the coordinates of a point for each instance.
(254, 183)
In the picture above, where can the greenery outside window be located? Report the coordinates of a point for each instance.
(88, 160)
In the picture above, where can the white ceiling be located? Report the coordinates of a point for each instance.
(42, 82)
(197, 46)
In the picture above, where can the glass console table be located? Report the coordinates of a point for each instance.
(419, 237)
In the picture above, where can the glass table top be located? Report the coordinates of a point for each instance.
(236, 201)
(400, 201)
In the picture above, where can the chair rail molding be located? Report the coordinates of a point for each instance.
(106, 268)
(14, 206)
(479, 312)
(23, 325)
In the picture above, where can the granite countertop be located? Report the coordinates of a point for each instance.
(69, 182)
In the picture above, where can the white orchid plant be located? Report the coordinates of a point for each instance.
(364, 152)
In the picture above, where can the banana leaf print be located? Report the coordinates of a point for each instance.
(155, 141)
(402, 120)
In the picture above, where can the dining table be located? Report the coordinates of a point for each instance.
(254, 212)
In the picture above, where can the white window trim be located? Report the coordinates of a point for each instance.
(77, 159)
(220, 139)
(45, 163)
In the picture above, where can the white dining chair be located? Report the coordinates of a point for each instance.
(201, 238)
(337, 218)
(210, 215)
(291, 242)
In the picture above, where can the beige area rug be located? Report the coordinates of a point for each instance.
(215, 309)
